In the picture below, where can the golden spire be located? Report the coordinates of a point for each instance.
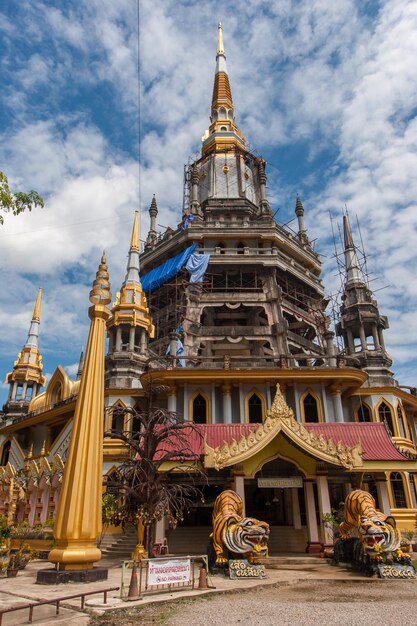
(78, 519)
(220, 46)
(131, 307)
(134, 243)
(28, 365)
(37, 309)
(223, 134)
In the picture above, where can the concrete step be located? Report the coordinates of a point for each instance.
(188, 540)
(302, 561)
(119, 546)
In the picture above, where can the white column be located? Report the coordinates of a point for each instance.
(185, 411)
(288, 507)
(362, 337)
(324, 505)
(324, 403)
(132, 339)
(382, 490)
(313, 531)
(296, 517)
(142, 341)
(14, 391)
(227, 403)
(160, 531)
(241, 405)
(119, 339)
(297, 403)
(268, 395)
(172, 399)
(239, 487)
(337, 403)
(213, 407)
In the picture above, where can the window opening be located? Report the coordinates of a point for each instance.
(398, 491)
(199, 409)
(311, 412)
(385, 415)
(364, 414)
(255, 409)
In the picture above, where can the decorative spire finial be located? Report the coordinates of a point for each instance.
(37, 310)
(347, 234)
(134, 243)
(302, 231)
(220, 45)
(353, 272)
(100, 293)
(299, 209)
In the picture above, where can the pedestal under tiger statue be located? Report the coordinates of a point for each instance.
(236, 535)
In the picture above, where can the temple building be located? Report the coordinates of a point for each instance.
(226, 312)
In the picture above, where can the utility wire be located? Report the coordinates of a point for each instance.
(139, 119)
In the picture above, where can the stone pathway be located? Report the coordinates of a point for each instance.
(17, 591)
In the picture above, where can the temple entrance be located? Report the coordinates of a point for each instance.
(276, 496)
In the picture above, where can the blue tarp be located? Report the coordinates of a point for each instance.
(159, 275)
(179, 351)
(197, 265)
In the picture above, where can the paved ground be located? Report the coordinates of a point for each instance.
(293, 594)
(310, 603)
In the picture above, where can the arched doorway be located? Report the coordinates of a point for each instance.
(276, 496)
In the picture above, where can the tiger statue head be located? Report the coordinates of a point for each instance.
(235, 534)
(247, 536)
(379, 536)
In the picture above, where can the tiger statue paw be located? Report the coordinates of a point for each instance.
(402, 557)
(236, 534)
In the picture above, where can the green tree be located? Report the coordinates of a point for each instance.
(17, 202)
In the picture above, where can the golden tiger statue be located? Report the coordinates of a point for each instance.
(234, 533)
(378, 534)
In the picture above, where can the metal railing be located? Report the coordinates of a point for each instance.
(57, 602)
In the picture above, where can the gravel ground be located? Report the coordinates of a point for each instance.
(314, 603)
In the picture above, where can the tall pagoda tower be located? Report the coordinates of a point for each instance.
(262, 299)
(361, 326)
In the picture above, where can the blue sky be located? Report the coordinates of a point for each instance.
(325, 91)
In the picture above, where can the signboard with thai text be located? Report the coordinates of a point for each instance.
(241, 568)
(169, 571)
(281, 483)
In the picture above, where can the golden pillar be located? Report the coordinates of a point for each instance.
(78, 519)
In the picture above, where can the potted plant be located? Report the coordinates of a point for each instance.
(19, 559)
(406, 540)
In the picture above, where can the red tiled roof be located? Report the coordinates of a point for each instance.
(215, 435)
(374, 439)
(376, 443)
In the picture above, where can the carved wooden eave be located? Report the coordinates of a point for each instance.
(7, 473)
(280, 418)
(33, 472)
(239, 451)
